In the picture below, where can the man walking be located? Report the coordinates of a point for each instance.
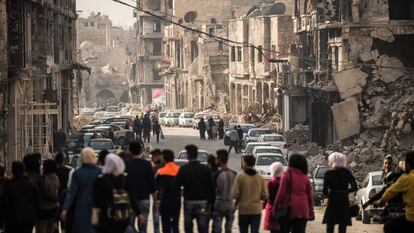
(138, 127)
(170, 201)
(156, 157)
(223, 206)
(240, 134)
(234, 140)
(146, 126)
(248, 192)
(197, 182)
(141, 182)
(202, 129)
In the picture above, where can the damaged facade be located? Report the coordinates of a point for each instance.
(40, 42)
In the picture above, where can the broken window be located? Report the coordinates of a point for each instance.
(401, 9)
(156, 48)
(170, 4)
(260, 54)
(92, 24)
(233, 53)
(239, 53)
(194, 50)
(252, 55)
(220, 46)
(156, 5)
(157, 26)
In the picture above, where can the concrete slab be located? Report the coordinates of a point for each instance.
(350, 82)
(346, 118)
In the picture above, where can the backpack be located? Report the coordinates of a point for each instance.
(50, 188)
(119, 209)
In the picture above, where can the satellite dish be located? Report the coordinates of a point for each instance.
(190, 16)
(278, 9)
(180, 21)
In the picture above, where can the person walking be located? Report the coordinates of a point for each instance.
(248, 191)
(59, 141)
(295, 193)
(271, 224)
(20, 201)
(49, 202)
(63, 173)
(240, 134)
(80, 193)
(141, 182)
(170, 201)
(157, 130)
(146, 127)
(234, 140)
(211, 124)
(202, 129)
(156, 157)
(404, 185)
(137, 127)
(338, 182)
(221, 129)
(197, 182)
(112, 180)
(223, 205)
(32, 168)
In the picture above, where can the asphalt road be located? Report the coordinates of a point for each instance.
(177, 138)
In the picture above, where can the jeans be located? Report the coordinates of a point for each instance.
(196, 210)
(330, 228)
(218, 217)
(143, 206)
(400, 225)
(252, 220)
(293, 225)
(156, 218)
(235, 145)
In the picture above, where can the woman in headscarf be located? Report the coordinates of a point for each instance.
(276, 170)
(80, 193)
(338, 183)
(113, 178)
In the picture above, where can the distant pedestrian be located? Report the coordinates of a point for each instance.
(113, 180)
(59, 141)
(156, 157)
(146, 127)
(170, 198)
(141, 182)
(234, 140)
(240, 134)
(157, 130)
(197, 182)
(223, 205)
(137, 127)
(80, 193)
(49, 202)
(295, 192)
(221, 129)
(202, 129)
(20, 202)
(210, 124)
(338, 183)
(271, 224)
(248, 191)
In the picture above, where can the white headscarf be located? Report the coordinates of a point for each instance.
(113, 165)
(276, 169)
(337, 160)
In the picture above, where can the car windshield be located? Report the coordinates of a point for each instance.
(162, 114)
(257, 133)
(274, 138)
(101, 145)
(269, 159)
(246, 128)
(376, 179)
(176, 114)
(249, 148)
(112, 109)
(320, 173)
(188, 115)
(269, 150)
(120, 124)
(202, 156)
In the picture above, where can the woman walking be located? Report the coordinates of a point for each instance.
(80, 193)
(338, 183)
(113, 178)
(157, 130)
(295, 193)
(49, 202)
(221, 129)
(271, 224)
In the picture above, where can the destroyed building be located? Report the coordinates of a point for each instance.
(37, 64)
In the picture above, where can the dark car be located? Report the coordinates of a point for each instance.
(102, 144)
(116, 120)
(317, 183)
(244, 127)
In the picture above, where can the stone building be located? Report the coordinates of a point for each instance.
(354, 65)
(3, 79)
(41, 47)
(254, 77)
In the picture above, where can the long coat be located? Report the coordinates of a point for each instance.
(80, 194)
(337, 185)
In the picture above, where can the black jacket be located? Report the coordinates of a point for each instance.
(62, 173)
(140, 178)
(21, 201)
(197, 181)
(146, 125)
(202, 126)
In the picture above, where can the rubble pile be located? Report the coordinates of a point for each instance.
(262, 115)
(80, 121)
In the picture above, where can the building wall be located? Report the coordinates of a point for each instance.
(3, 79)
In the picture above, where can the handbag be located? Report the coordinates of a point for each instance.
(284, 211)
(162, 135)
(353, 210)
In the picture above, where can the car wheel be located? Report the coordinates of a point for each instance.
(366, 219)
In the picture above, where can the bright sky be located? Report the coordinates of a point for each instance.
(119, 14)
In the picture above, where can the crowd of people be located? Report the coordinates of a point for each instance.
(213, 130)
(142, 128)
(112, 194)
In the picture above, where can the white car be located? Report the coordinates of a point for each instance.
(266, 149)
(111, 111)
(186, 119)
(161, 118)
(276, 140)
(87, 111)
(202, 156)
(264, 160)
(370, 186)
(173, 119)
(197, 117)
(99, 114)
(253, 134)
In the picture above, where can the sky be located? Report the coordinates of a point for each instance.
(119, 14)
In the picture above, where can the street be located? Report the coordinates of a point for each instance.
(177, 138)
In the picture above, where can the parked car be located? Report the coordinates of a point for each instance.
(197, 117)
(253, 134)
(99, 114)
(276, 140)
(134, 111)
(173, 119)
(251, 145)
(161, 118)
(182, 157)
(370, 186)
(244, 127)
(119, 131)
(76, 142)
(87, 111)
(115, 120)
(102, 144)
(186, 119)
(264, 160)
(316, 179)
(111, 111)
(266, 149)
(98, 121)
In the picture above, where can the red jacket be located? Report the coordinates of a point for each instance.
(301, 204)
